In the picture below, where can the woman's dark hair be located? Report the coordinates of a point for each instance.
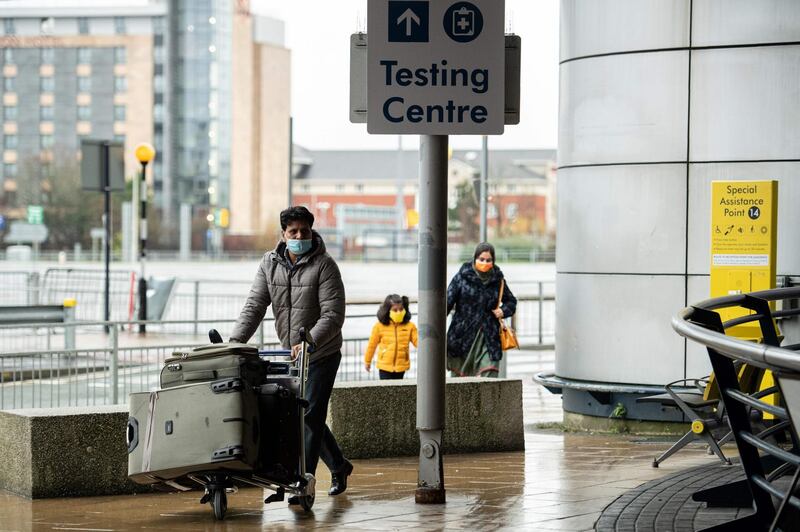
(296, 214)
(480, 248)
(393, 299)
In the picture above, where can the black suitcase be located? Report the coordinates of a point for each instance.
(280, 415)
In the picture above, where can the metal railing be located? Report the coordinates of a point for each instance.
(112, 365)
(764, 459)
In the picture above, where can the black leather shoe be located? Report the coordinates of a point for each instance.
(339, 480)
(294, 500)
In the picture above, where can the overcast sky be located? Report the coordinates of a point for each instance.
(318, 34)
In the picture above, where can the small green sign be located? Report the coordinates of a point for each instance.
(35, 214)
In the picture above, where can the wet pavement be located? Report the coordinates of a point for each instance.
(562, 481)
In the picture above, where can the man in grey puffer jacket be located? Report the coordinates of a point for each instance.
(303, 285)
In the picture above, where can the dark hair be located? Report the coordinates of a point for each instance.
(393, 299)
(480, 248)
(296, 214)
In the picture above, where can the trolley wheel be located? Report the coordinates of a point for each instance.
(220, 503)
(307, 501)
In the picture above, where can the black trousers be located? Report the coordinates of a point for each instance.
(391, 375)
(320, 442)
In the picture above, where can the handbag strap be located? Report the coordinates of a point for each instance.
(500, 299)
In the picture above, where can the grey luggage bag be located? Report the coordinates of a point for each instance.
(214, 362)
(202, 427)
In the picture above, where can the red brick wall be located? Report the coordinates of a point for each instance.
(326, 218)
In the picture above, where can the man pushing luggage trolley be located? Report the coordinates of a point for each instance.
(303, 284)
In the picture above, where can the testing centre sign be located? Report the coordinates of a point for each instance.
(436, 67)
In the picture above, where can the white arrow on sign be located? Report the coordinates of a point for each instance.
(407, 17)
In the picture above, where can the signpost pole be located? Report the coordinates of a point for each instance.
(432, 317)
(484, 188)
(107, 228)
(142, 249)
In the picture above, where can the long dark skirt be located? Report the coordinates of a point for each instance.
(477, 363)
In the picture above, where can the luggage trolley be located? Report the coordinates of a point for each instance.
(289, 380)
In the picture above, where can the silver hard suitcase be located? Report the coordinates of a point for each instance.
(194, 428)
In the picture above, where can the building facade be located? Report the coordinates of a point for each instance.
(521, 188)
(205, 82)
(657, 101)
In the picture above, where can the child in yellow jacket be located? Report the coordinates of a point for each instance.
(391, 336)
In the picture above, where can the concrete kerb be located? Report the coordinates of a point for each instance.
(81, 451)
(379, 421)
(59, 452)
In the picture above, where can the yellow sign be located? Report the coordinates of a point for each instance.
(412, 218)
(744, 217)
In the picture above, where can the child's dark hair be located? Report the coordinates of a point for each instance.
(393, 299)
(296, 214)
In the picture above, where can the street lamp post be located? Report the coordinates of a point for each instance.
(144, 153)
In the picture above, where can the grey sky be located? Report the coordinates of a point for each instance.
(318, 34)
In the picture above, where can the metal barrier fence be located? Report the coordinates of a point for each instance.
(120, 363)
(189, 320)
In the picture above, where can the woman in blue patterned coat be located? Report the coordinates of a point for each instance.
(473, 339)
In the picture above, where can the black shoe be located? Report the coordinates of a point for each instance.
(339, 480)
(294, 500)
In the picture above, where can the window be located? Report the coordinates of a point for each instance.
(119, 113)
(158, 54)
(8, 84)
(119, 25)
(83, 26)
(158, 112)
(119, 138)
(46, 142)
(158, 24)
(8, 55)
(84, 55)
(10, 142)
(84, 112)
(511, 210)
(120, 55)
(48, 56)
(8, 25)
(10, 112)
(10, 170)
(47, 170)
(84, 84)
(47, 84)
(158, 83)
(120, 84)
(47, 25)
(46, 113)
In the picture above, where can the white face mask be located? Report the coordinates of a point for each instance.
(299, 247)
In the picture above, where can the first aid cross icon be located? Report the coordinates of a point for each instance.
(463, 22)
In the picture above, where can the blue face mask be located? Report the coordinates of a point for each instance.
(299, 247)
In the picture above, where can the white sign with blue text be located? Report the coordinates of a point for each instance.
(436, 67)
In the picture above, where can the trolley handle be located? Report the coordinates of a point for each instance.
(306, 339)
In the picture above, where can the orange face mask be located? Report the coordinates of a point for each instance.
(483, 266)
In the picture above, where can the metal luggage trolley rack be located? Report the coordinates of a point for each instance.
(217, 484)
(770, 457)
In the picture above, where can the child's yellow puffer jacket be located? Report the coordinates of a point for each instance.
(391, 342)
